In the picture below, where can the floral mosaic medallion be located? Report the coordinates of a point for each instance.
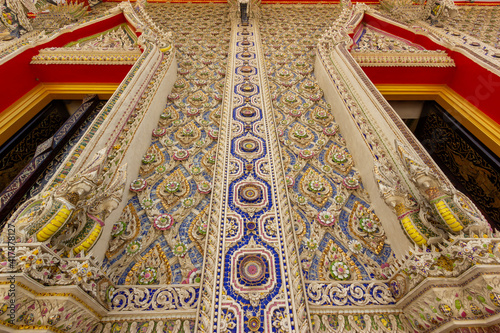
(147, 276)
(339, 270)
(252, 269)
(249, 147)
(204, 187)
(252, 196)
(138, 185)
(163, 222)
(337, 265)
(326, 218)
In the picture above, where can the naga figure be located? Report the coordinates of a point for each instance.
(70, 218)
(451, 208)
(407, 209)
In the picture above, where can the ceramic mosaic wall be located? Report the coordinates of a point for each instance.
(251, 280)
(159, 237)
(479, 22)
(341, 236)
(145, 326)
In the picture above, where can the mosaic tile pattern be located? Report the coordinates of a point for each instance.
(479, 22)
(158, 238)
(252, 279)
(341, 236)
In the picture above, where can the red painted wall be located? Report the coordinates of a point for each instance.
(473, 82)
(19, 76)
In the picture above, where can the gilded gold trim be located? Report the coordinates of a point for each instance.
(18, 114)
(478, 123)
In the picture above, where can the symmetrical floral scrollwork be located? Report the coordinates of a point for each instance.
(357, 294)
(360, 323)
(149, 299)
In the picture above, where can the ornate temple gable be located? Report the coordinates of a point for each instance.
(449, 30)
(116, 46)
(377, 48)
(10, 47)
(21, 101)
(479, 71)
(381, 162)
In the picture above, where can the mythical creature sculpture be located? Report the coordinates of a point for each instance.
(407, 209)
(453, 211)
(70, 218)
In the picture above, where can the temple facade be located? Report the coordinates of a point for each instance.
(249, 166)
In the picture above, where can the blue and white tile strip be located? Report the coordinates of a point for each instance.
(252, 281)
